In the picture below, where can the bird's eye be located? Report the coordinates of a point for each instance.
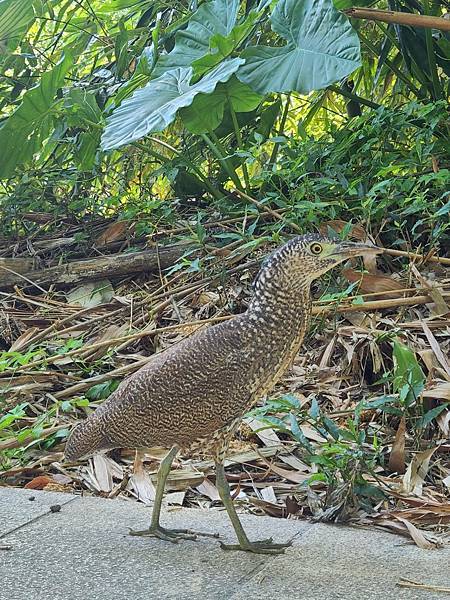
(316, 249)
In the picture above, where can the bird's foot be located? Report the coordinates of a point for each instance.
(172, 535)
(259, 547)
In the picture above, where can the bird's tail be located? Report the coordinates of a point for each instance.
(86, 439)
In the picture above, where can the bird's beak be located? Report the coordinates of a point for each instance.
(349, 249)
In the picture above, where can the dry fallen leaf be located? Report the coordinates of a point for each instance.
(116, 231)
(38, 483)
(440, 392)
(418, 536)
(397, 455)
(140, 481)
(91, 293)
(268, 494)
(23, 340)
(436, 348)
(371, 283)
(207, 488)
(417, 471)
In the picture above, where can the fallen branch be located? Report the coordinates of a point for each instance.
(18, 265)
(399, 18)
(422, 586)
(415, 255)
(112, 266)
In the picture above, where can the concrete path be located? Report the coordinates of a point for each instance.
(84, 551)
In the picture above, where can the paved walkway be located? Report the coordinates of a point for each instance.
(83, 551)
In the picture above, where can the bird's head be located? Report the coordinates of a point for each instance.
(307, 257)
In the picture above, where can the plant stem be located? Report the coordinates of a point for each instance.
(393, 68)
(219, 152)
(351, 96)
(431, 57)
(240, 143)
(212, 190)
(273, 156)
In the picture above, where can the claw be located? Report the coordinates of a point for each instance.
(259, 547)
(169, 535)
(172, 535)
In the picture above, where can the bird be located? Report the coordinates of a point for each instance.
(194, 394)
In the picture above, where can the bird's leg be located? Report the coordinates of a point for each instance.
(259, 547)
(155, 529)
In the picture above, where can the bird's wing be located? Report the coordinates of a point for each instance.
(203, 379)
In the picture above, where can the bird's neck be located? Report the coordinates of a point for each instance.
(272, 329)
(280, 308)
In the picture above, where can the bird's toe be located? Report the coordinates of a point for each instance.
(258, 547)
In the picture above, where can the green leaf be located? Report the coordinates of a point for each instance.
(222, 46)
(82, 402)
(15, 18)
(241, 96)
(331, 427)
(85, 153)
(216, 17)
(314, 411)
(409, 379)
(322, 48)
(430, 415)
(101, 390)
(298, 433)
(369, 491)
(121, 49)
(344, 4)
(206, 111)
(61, 434)
(82, 106)
(444, 210)
(268, 119)
(315, 477)
(27, 128)
(16, 413)
(154, 107)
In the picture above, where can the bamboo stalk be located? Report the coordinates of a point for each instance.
(399, 18)
(436, 259)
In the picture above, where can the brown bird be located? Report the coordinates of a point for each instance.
(194, 394)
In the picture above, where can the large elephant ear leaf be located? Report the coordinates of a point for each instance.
(322, 48)
(206, 111)
(154, 107)
(212, 18)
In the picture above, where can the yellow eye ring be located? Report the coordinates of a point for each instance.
(316, 249)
